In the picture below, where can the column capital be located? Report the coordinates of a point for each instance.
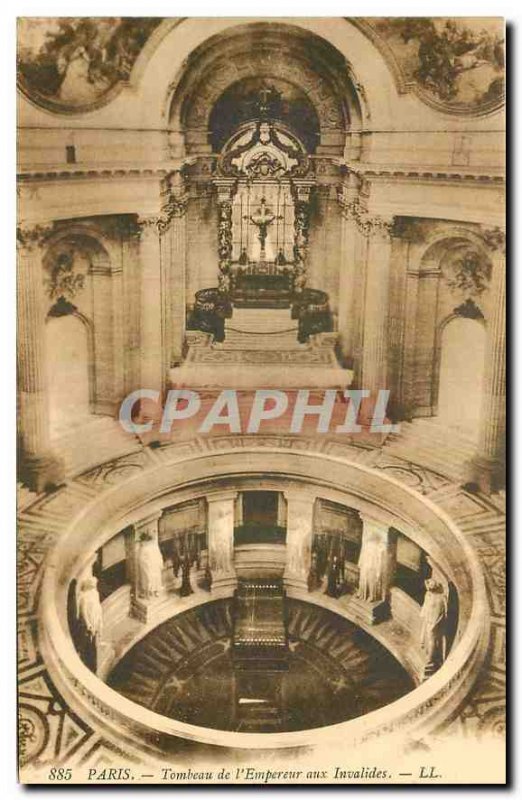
(219, 497)
(148, 524)
(299, 496)
(147, 223)
(174, 199)
(346, 197)
(301, 189)
(374, 524)
(31, 237)
(372, 225)
(379, 227)
(225, 189)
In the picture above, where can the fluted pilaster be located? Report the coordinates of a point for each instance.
(349, 234)
(489, 466)
(40, 468)
(152, 373)
(375, 344)
(172, 226)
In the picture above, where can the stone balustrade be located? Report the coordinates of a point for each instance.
(420, 710)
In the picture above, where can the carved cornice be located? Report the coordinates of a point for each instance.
(418, 173)
(92, 172)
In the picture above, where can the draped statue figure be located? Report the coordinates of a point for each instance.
(149, 567)
(221, 536)
(433, 625)
(373, 570)
(90, 620)
(89, 607)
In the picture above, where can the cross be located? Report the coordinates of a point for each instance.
(262, 219)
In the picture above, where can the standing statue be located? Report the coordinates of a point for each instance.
(149, 567)
(335, 577)
(433, 625)
(373, 570)
(314, 580)
(186, 587)
(221, 539)
(90, 620)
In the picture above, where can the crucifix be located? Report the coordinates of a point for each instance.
(262, 219)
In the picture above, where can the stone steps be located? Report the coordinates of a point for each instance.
(426, 443)
(101, 439)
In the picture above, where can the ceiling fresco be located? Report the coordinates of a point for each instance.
(70, 64)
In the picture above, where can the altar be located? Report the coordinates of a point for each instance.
(262, 285)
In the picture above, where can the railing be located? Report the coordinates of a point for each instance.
(211, 308)
(137, 727)
(254, 533)
(312, 310)
(415, 714)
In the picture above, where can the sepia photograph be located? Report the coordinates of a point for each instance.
(261, 400)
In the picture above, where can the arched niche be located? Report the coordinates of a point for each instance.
(451, 281)
(78, 278)
(239, 103)
(69, 371)
(461, 374)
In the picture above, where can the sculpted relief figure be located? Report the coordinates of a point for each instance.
(373, 570)
(90, 620)
(433, 625)
(149, 567)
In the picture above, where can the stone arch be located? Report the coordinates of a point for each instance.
(446, 290)
(170, 50)
(213, 73)
(303, 59)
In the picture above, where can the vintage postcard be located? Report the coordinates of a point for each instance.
(261, 400)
